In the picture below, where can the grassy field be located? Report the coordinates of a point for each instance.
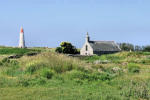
(52, 76)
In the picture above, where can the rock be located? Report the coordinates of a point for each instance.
(116, 69)
(15, 56)
(101, 61)
(32, 54)
(100, 70)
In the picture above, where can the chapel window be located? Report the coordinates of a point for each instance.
(86, 48)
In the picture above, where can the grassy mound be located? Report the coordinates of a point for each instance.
(52, 76)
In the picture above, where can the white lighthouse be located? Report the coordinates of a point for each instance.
(22, 40)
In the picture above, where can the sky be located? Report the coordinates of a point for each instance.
(46, 23)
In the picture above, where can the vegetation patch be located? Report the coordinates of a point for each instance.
(33, 66)
(49, 75)
(133, 68)
(21, 51)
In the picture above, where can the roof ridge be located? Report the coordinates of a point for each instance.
(102, 41)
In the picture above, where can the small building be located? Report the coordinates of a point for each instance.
(98, 47)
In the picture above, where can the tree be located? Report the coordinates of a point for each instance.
(146, 48)
(126, 46)
(58, 50)
(138, 48)
(66, 48)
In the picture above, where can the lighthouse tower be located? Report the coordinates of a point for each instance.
(22, 40)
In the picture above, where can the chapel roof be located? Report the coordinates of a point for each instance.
(104, 46)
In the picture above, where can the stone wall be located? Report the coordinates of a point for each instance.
(104, 52)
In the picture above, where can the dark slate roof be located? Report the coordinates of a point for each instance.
(104, 46)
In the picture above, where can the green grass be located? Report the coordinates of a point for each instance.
(52, 76)
(10, 50)
(63, 92)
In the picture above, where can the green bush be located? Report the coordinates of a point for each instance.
(8, 62)
(126, 46)
(58, 69)
(28, 81)
(145, 61)
(1, 63)
(7, 82)
(47, 73)
(62, 67)
(32, 53)
(59, 77)
(5, 60)
(58, 50)
(24, 82)
(14, 62)
(74, 74)
(106, 76)
(68, 67)
(66, 48)
(146, 48)
(133, 68)
(78, 75)
(33, 67)
(137, 90)
(37, 81)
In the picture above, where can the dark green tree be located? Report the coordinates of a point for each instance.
(146, 48)
(126, 46)
(138, 48)
(58, 50)
(66, 48)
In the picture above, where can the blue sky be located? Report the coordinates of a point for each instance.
(49, 22)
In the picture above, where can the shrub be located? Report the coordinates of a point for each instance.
(68, 67)
(126, 46)
(146, 48)
(137, 90)
(134, 68)
(47, 73)
(5, 60)
(23, 82)
(146, 53)
(31, 53)
(37, 81)
(7, 82)
(145, 61)
(14, 62)
(28, 81)
(1, 63)
(58, 50)
(31, 69)
(112, 97)
(62, 67)
(106, 76)
(74, 74)
(58, 69)
(59, 77)
(33, 66)
(78, 75)
(66, 48)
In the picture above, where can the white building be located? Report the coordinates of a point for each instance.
(98, 47)
(22, 39)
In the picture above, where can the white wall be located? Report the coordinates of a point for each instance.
(88, 52)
